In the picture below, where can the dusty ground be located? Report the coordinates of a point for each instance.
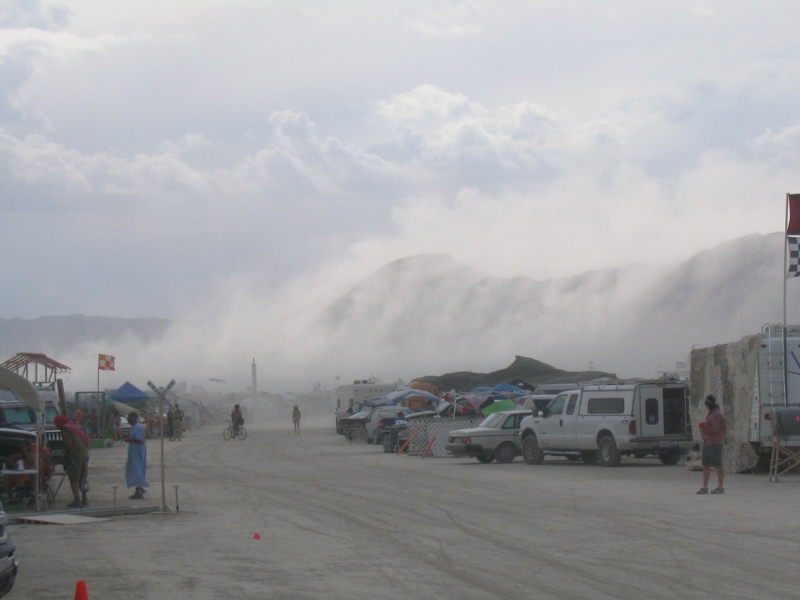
(351, 522)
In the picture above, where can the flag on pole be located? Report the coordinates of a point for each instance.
(793, 224)
(793, 235)
(105, 362)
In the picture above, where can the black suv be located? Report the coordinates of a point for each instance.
(8, 556)
(11, 442)
(16, 414)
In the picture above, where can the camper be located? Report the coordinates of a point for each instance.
(602, 422)
(349, 397)
(751, 378)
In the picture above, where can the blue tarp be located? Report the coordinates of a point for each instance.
(127, 393)
(397, 397)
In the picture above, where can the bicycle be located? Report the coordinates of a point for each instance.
(228, 433)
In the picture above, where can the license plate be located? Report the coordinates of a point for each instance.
(667, 444)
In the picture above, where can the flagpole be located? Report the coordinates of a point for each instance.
(785, 277)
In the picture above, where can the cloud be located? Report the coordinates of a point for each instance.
(457, 19)
(194, 160)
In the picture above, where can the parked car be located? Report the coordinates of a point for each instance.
(602, 422)
(396, 434)
(379, 419)
(8, 556)
(125, 427)
(16, 414)
(11, 442)
(496, 438)
(53, 433)
(348, 426)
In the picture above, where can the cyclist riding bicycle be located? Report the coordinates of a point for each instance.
(237, 420)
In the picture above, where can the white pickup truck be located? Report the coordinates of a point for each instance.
(608, 420)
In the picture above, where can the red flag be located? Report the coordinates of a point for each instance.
(793, 226)
(105, 362)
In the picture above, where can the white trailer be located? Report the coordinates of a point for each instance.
(348, 397)
(750, 378)
(776, 364)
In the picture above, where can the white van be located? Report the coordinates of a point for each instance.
(606, 421)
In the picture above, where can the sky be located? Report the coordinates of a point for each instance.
(189, 159)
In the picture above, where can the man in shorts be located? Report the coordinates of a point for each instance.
(76, 458)
(713, 430)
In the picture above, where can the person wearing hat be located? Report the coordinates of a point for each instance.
(713, 430)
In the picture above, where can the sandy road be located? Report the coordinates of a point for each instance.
(350, 522)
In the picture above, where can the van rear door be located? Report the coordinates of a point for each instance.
(648, 410)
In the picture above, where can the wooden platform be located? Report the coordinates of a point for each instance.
(60, 519)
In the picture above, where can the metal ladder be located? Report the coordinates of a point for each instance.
(775, 363)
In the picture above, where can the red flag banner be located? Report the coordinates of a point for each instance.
(105, 362)
(793, 226)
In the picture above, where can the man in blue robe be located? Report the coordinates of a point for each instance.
(136, 467)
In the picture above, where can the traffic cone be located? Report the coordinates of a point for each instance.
(80, 591)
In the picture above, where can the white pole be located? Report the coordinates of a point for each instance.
(785, 275)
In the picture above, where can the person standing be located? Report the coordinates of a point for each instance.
(116, 426)
(177, 422)
(713, 429)
(296, 419)
(76, 458)
(170, 420)
(136, 467)
(94, 421)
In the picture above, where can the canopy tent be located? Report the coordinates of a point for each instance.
(492, 405)
(128, 393)
(123, 409)
(22, 388)
(409, 397)
(425, 385)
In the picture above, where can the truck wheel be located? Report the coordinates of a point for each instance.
(589, 456)
(670, 458)
(608, 452)
(505, 453)
(531, 451)
(485, 459)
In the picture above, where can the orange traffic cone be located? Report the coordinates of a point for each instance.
(80, 591)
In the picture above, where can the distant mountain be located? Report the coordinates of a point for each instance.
(55, 336)
(523, 372)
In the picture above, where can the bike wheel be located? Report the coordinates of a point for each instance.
(227, 433)
(242, 435)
